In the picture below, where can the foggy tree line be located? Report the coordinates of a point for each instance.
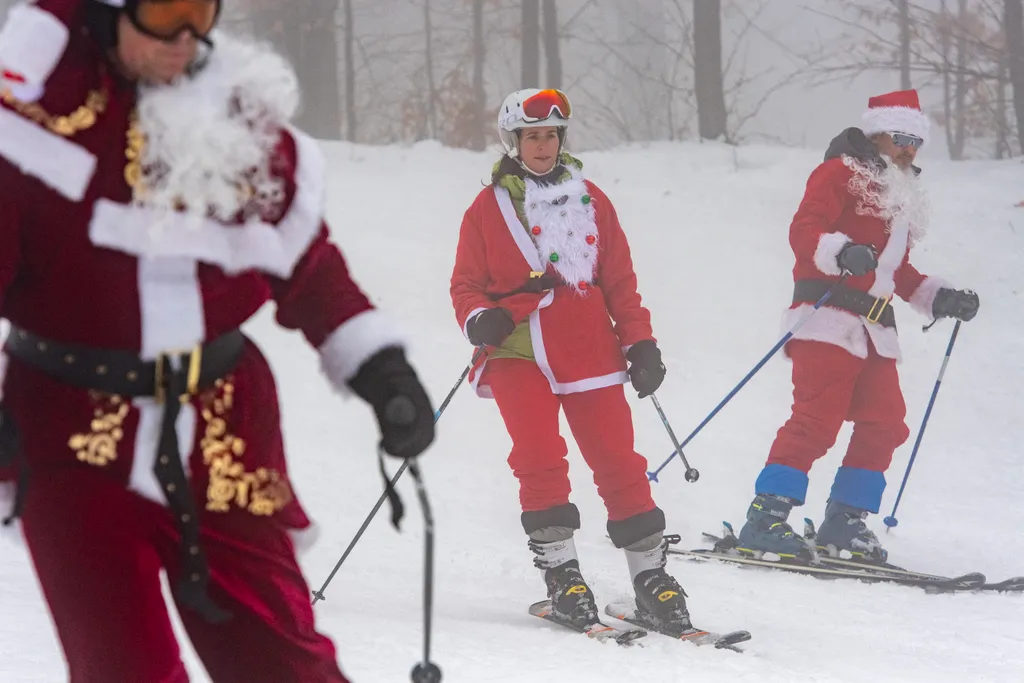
(650, 70)
(387, 71)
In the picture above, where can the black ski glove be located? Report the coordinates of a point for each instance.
(491, 327)
(955, 303)
(646, 371)
(390, 385)
(10, 439)
(859, 259)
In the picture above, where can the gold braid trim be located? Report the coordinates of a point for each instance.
(81, 119)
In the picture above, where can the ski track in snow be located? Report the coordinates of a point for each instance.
(708, 227)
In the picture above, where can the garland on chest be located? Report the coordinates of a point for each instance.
(563, 224)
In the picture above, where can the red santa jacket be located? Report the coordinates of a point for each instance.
(578, 331)
(846, 201)
(83, 260)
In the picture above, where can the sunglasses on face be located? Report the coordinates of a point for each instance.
(905, 140)
(166, 19)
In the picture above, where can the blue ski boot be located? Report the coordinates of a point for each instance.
(767, 536)
(844, 534)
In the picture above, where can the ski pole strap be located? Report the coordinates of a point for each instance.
(877, 310)
(394, 500)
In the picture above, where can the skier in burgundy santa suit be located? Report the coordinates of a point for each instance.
(154, 198)
(862, 211)
(544, 280)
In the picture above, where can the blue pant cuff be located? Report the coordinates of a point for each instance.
(859, 488)
(782, 480)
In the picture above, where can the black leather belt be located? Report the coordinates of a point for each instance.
(877, 310)
(537, 283)
(174, 375)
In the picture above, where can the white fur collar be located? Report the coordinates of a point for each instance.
(210, 138)
(563, 223)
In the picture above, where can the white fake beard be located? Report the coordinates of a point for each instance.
(210, 138)
(892, 194)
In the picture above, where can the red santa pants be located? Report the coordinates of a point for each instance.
(98, 550)
(830, 386)
(601, 423)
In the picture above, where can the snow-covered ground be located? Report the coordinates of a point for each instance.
(708, 227)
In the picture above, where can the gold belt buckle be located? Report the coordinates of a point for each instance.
(195, 364)
(881, 303)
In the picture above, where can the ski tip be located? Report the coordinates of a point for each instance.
(727, 525)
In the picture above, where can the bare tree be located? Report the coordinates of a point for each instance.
(904, 8)
(530, 46)
(1013, 23)
(552, 53)
(350, 74)
(476, 138)
(431, 88)
(708, 85)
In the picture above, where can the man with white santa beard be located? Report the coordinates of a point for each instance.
(862, 211)
(154, 198)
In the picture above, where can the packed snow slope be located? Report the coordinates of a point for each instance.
(708, 229)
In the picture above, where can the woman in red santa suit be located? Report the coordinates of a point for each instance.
(862, 211)
(155, 197)
(544, 280)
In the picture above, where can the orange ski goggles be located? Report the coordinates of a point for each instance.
(539, 107)
(166, 19)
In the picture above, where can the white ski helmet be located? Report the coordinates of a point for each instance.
(532, 108)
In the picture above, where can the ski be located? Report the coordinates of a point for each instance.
(626, 611)
(598, 631)
(829, 568)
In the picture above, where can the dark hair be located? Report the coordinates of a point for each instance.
(101, 24)
(506, 166)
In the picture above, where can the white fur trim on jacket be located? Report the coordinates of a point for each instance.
(354, 342)
(150, 232)
(32, 43)
(896, 119)
(61, 164)
(843, 329)
(829, 246)
(923, 297)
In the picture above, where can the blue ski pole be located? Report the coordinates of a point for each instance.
(319, 595)
(891, 520)
(653, 476)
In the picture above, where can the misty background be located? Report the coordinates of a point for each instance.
(791, 72)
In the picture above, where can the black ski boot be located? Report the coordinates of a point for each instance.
(571, 597)
(660, 600)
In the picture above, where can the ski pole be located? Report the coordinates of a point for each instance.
(426, 671)
(319, 595)
(891, 520)
(653, 476)
(692, 474)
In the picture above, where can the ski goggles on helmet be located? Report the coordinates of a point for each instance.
(906, 140)
(538, 107)
(166, 19)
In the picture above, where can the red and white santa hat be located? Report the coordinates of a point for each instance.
(895, 112)
(33, 40)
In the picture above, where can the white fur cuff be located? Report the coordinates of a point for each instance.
(32, 43)
(356, 341)
(829, 246)
(923, 297)
(61, 164)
